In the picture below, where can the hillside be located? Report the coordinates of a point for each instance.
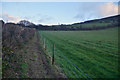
(23, 56)
(99, 23)
(0, 49)
(96, 24)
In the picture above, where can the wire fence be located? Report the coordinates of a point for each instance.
(68, 67)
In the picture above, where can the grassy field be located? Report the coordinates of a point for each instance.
(84, 54)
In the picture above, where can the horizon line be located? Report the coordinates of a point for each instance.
(63, 23)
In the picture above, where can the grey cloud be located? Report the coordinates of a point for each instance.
(92, 11)
(39, 18)
(44, 18)
(87, 11)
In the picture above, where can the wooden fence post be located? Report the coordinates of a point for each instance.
(53, 54)
(44, 43)
(41, 38)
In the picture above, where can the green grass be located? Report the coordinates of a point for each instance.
(84, 54)
(95, 24)
(24, 69)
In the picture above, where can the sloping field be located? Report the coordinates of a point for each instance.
(84, 54)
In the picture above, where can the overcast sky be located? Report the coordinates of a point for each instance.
(49, 13)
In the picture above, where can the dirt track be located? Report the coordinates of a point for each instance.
(38, 64)
(29, 61)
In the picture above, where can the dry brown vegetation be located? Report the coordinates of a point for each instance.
(23, 57)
